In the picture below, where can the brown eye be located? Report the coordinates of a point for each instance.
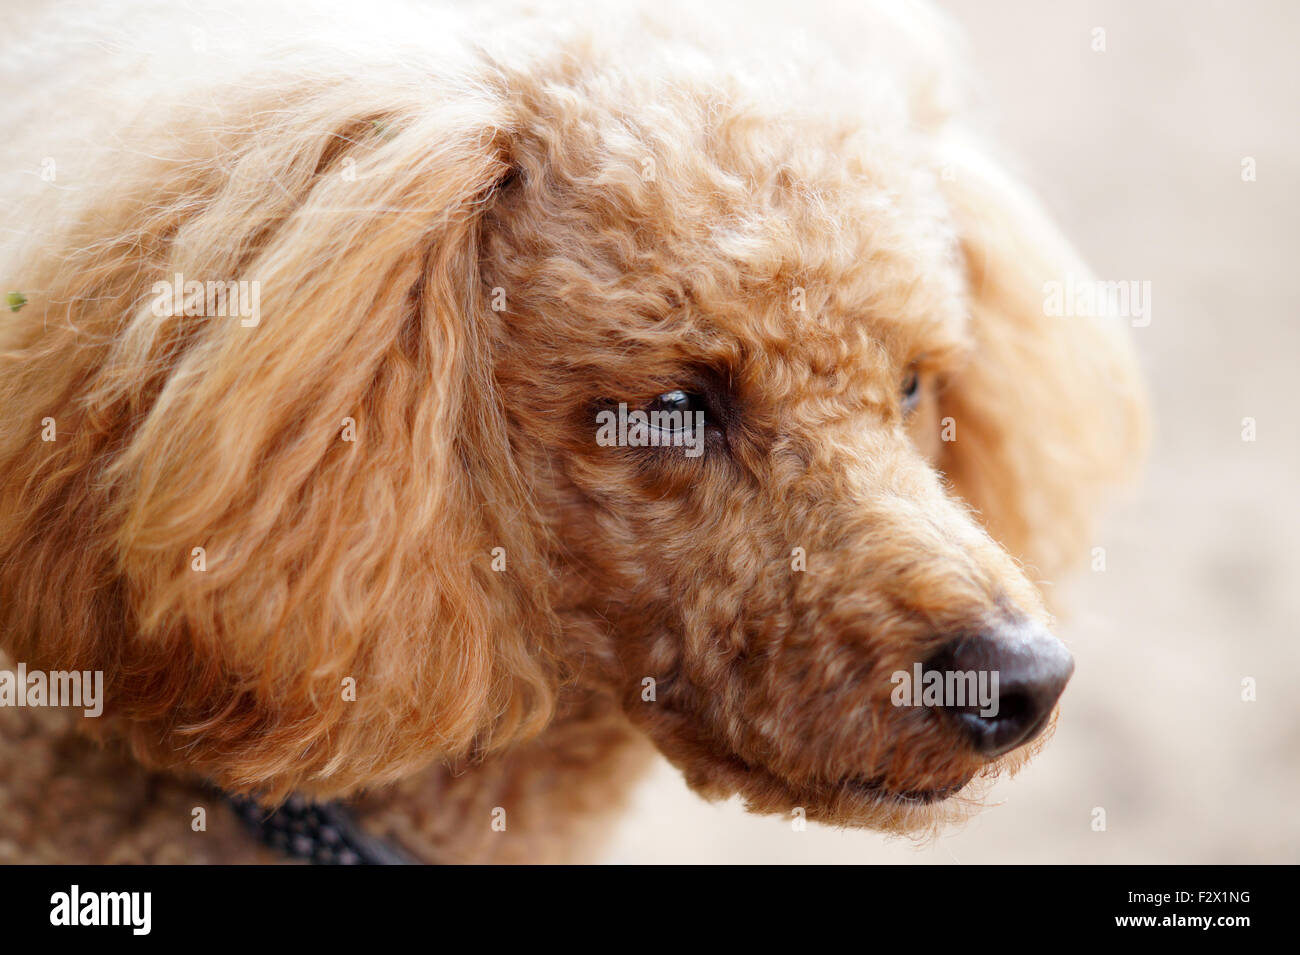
(911, 390)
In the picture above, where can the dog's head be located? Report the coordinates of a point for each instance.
(413, 505)
(892, 437)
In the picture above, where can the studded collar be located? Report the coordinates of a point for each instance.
(319, 833)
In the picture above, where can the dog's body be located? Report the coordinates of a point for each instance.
(352, 535)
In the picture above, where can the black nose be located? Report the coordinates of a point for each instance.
(1031, 667)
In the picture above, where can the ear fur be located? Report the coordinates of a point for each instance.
(1048, 410)
(327, 563)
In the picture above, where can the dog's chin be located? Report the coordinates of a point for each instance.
(860, 801)
(946, 791)
(871, 803)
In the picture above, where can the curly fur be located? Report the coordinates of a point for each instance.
(647, 203)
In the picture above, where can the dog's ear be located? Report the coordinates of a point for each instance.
(276, 527)
(1048, 409)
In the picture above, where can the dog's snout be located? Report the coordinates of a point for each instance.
(1017, 672)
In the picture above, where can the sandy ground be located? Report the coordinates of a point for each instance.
(1137, 151)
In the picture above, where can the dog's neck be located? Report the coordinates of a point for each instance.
(514, 806)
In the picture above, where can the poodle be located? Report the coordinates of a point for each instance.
(419, 417)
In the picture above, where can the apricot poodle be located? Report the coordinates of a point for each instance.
(417, 418)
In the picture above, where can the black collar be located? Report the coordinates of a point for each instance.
(320, 833)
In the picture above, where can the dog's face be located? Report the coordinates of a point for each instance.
(477, 281)
(762, 580)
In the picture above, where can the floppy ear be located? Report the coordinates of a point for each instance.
(1048, 410)
(276, 538)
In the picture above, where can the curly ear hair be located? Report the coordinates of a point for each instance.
(356, 209)
(1047, 410)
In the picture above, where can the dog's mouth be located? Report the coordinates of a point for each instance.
(880, 800)
(876, 790)
(859, 800)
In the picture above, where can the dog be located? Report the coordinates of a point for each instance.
(420, 418)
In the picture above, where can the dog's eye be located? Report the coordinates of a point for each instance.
(675, 419)
(683, 402)
(911, 390)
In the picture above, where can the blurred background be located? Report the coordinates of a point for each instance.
(1138, 153)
